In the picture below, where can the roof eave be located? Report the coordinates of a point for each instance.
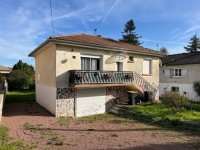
(105, 47)
(93, 46)
(40, 46)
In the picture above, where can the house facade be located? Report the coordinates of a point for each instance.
(178, 73)
(80, 75)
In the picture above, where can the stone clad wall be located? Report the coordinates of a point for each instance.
(115, 92)
(66, 98)
(65, 102)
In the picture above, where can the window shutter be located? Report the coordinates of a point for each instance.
(146, 66)
(184, 72)
(167, 72)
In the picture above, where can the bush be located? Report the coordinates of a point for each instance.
(175, 101)
(196, 87)
(17, 80)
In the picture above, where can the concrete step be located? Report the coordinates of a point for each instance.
(114, 111)
(118, 109)
(115, 107)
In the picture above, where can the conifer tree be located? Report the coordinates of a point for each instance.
(129, 35)
(194, 44)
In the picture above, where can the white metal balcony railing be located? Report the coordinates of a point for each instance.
(110, 77)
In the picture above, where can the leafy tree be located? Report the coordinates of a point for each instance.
(194, 45)
(129, 36)
(17, 80)
(28, 70)
(164, 50)
(24, 67)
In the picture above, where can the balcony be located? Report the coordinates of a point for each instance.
(82, 78)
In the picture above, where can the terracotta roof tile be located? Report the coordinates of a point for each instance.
(100, 41)
(2, 68)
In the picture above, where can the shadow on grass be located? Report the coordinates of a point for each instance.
(25, 109)
(20, 96)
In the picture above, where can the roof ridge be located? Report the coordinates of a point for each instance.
(106, 38)
(66, 35)
(91, 39)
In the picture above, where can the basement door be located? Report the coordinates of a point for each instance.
(90, 101)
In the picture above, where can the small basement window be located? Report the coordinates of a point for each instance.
(175, 89)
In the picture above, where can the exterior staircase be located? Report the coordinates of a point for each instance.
(143, 86)
(119, 109)
(139, 84)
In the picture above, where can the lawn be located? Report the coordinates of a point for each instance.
(159, 114)
(20, 96)
(162, 111)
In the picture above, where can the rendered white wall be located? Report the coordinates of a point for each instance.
(90, 101)
(1, 105)
(46, 97)
(182, 88)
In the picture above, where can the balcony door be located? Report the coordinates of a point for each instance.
(88, 63)
(119, 66)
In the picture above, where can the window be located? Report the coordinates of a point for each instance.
(179, 73)
(175, 89)
(130, 59)
(147, 66)
(88, 63)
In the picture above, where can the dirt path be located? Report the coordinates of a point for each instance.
(36, 126)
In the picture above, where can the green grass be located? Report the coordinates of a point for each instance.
(159, 114)
(162, 111)
(5, 144)
(20, 96)
(195, 106)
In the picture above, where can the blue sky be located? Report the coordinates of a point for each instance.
(26, 24)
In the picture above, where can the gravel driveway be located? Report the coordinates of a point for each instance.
(36, 126)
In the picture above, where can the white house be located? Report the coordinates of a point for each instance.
(178, 73)
(80, 75)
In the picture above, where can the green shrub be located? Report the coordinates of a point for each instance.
(196, 87)
(175, 101)
(17, 80)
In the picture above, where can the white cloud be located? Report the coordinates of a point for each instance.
(108, 13)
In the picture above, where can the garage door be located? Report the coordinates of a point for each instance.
(90, 102)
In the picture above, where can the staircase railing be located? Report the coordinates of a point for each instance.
(143, 84)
